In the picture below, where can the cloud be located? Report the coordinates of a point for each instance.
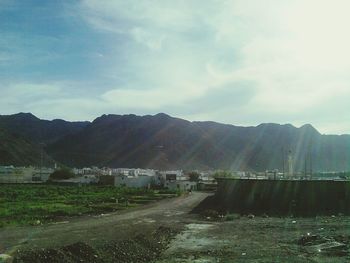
(151, 41)
(240, 62)
(292, 55)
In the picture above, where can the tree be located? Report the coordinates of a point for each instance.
(194, 176)
(61, 174)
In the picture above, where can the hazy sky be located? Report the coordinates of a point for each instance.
(242, 62)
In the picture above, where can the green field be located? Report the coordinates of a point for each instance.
(38, 204)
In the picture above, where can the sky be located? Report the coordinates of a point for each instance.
(242, 62)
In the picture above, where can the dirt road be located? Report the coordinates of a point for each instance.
(94, 229)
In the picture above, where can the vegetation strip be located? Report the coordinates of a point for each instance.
(39, 204)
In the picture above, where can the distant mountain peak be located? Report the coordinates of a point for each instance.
(163, 115)
(25, 115)
(309, 128)
(275, 126)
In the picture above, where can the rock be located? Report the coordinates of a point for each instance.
(251, 216)
(330, 248)
(310, 239)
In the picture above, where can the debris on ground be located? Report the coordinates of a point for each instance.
(310, 239)
(5, 258)
(331, 246)
(251, 216)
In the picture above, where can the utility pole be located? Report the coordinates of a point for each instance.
(41, 158)
(290, 165)
(310, 153)
(283, 160)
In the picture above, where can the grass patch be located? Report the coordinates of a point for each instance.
(38, 204)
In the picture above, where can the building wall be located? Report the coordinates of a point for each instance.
(181, 185)
(24, 174)
(134, 181)
(106, 180)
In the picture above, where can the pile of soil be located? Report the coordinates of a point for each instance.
(140, 248)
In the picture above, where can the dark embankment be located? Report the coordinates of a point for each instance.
(280, 197)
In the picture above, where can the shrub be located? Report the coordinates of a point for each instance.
(61, 174)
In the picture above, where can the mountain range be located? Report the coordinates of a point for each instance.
(164, 142)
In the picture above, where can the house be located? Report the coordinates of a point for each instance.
(173, 175)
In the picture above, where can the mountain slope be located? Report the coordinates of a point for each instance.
(23, 135)
(36, 130)
(163, 142)
(14, 150)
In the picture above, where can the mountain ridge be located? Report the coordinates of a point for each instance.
(164, 142)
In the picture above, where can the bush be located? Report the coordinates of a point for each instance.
(61, 174)
(231, 217)
(194, 176)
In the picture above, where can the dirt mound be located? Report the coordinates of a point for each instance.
(140, 248)
(80, 250)
(40, 255)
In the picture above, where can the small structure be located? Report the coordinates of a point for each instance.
(140, 181)
(181, 185)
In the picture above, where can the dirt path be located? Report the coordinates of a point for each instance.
(94, 229)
